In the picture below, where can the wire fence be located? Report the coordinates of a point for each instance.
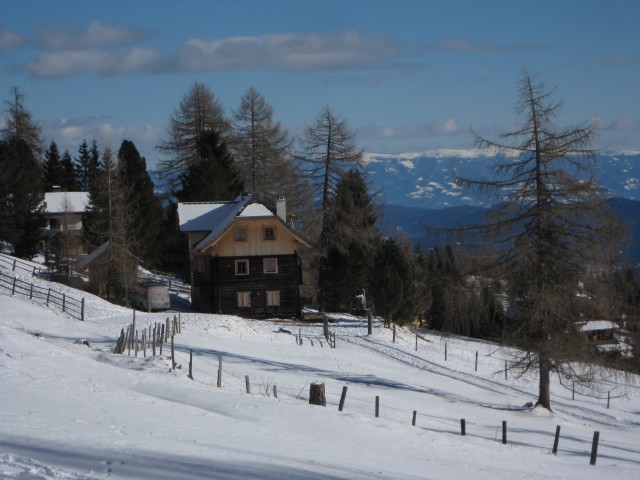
(231, 374)
(70, 306)
(16, 265)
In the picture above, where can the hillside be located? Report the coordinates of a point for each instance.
(77, 411)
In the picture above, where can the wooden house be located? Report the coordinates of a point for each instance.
(244, 258)
(96, 266)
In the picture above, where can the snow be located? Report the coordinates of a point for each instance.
(66, 202)
(72, 411)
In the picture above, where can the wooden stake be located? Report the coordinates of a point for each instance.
(476, 361)
(463, 426)
(608, 399)
(378, 404)
(505, 369)
(445, 352)
(275, 392)
(504, 432)
(413, 420)
(556, 440)
(369, 325)
(394, 333)
(594, 448)
(343, 397)
(191, 364)
(173, 354)
(248, 385)
(219, 382)
(416, 339)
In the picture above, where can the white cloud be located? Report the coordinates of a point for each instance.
(65, 63)
(294, 52)
(98, 34)
(10, 40)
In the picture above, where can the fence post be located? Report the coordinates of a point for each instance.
(369, 326)
(573, 390)
(64, 302)
(594, 448)
(394, 333)
(31, 291)
(556, 440)
(248, 385)
(154, 340)
(608, 399)
(504, 432)
(378, 404)
(14, 265)
(445, 352)
(275, 391)
(82, 310)
(463, 426)
(413, 420)
(505, 369)
(173, 354)
(476, 361)
(416, 338)
(13, 290)
(191, 364)
(219, 383)
(342, 398)
(48, 295)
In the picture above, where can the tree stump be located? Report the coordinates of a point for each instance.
(316, 394)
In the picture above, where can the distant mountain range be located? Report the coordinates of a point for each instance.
(427, 179)
(418, 191)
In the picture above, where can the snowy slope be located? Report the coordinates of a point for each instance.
(73, 411)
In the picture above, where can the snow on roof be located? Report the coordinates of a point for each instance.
(256, 210)
(592, 325)
(205, 216)
(66, 202)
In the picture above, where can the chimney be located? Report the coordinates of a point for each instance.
(281, 208)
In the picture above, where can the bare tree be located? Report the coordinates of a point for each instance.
(328, 150)
(199, 111)
(552, 233)
(20, 125)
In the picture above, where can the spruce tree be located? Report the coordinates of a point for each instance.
(348, 243)
(69, 182)
(53, 174)
(146, 212)
(83, 165)
(21, 197)
(214, 176)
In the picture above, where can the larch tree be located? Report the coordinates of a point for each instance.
(551, 232)
(327, 150)
(199, 112)
(19, 123)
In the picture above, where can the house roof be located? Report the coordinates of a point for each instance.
(593, 325)
(66, 202)
(217, 217)
(84, 263)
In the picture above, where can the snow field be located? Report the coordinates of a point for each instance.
(72, 411)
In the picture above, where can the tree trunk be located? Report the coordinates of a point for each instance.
(316, 394)
(544, 390)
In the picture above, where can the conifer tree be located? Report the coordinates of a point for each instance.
(21, 197)
(348, 243)
(83, 165)
(53, 174)
(199, 112)
(69, 182)
(214, 177)
(145, 216)
(19, 124)
(552, 234)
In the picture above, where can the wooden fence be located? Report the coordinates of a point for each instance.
(15, 264)
(71, 306)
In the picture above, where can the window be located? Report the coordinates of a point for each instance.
(242, 267)
(270, 265)
(243, 299)
(269, 233)
(273, 298)
(241, 234)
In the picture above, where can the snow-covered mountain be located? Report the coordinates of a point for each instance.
(426, 179)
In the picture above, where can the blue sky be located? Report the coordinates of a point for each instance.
(408, 75)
